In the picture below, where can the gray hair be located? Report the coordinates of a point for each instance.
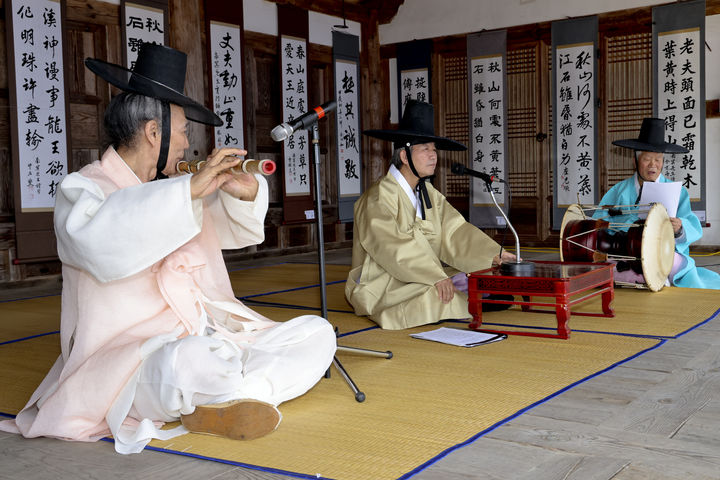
(396, 158)
(127, 114)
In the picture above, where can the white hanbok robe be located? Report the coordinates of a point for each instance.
(150, 326)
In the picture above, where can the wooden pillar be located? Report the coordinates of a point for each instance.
(188, 35)
(372, 94)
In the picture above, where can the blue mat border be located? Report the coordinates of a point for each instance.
(470, 440)
(661, 340)
(432, 460)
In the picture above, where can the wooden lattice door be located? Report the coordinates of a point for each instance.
(527, 126)
(627, 84)
(452, 109)
(528, 146)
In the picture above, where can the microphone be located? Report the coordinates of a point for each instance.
(519, 268)
(460, 169)
(284, 130)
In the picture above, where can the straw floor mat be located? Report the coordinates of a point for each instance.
(310, 297)
(25, 318)
(40, 316)
(286, 276)
(427, 399)
(666, 313)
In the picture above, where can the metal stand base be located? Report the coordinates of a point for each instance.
(359, 396)
(519, 269)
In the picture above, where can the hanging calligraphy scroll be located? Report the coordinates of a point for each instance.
(292, 50)
(346, 56)
(413, 65)
(488, 127)
(574, 66)
(679, 92)
(39, 118)
(144, 21)
(224, 23)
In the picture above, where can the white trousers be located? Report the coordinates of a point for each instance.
(283, 362)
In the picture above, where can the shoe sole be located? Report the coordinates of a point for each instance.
(237, 419)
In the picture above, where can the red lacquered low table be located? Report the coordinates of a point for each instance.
(561, 280)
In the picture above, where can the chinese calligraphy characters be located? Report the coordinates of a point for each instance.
(142, 24)
(226, 59)
(415, 85)
(348, 127)
(40, 92)
(487, 117)
(679, 104)
(294, 86)
(575, 124)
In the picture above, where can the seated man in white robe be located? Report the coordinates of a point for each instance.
(151, 331)
(411, 248)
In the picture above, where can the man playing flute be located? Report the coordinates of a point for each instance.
(151, 331)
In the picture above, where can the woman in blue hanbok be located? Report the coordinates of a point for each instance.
(649, 149)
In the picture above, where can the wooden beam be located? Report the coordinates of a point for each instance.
(94, 12)
(187, 34)
(373, 94)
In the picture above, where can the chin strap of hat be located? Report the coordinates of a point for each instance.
(164, 141)
(637, 169)
(421, 187)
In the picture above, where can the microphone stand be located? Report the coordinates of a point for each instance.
(359, 396)
(518, 268)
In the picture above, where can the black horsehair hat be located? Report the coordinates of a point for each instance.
(159, 72)
(416, 126)
(651, 139)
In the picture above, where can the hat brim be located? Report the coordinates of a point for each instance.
(649, 147)
(406, 136)
(120, 77)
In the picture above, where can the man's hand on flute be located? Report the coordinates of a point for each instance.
(216, 174)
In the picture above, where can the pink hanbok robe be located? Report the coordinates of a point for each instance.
(143, 268)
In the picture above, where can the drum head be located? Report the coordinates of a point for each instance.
(574, 212)
(658, 248)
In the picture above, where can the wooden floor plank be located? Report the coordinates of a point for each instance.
(668, 405)
(641, 471)
(597, 468)
(43, 458)
(678, 457)
(497, 459)
(703, 425)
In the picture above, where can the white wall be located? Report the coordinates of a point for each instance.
(261, 16)
(418, 19)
